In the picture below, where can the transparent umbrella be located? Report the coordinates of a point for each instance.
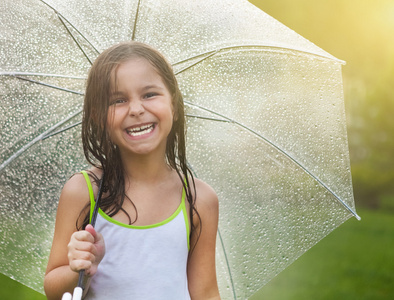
(266, 125)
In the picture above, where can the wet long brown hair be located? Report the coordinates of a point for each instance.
(103, 154)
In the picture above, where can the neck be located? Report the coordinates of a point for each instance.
(146, 168)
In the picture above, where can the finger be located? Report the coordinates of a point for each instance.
(80, 264)
(83, 235)
(80, 254)
(82, 247)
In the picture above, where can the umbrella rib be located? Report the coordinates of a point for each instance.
(50, 85)
(213, 52)
(16, 74)
(50, 134)
(73, 37)
(59, 14)
(207, 55)
(283, 152)
(36, 140)
(208, 118)
(135, 20)
(228, 265)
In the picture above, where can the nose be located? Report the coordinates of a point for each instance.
(136, 108)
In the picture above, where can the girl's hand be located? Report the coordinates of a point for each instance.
(86, 250)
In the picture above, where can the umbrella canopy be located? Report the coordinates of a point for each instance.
(266, 125)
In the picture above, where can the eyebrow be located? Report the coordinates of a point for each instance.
(153, 86)
(115, 94)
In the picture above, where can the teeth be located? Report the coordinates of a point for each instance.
(137, 131)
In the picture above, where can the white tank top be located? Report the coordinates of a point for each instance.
(142, 262)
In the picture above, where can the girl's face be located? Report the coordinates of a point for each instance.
(140, 113)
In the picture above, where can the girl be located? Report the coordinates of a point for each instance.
(155, 233)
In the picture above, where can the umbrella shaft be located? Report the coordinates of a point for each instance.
(81, 278)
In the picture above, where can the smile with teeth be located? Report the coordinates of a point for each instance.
(137, 131)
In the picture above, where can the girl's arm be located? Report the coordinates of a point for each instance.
(201, 268)
(71, 250)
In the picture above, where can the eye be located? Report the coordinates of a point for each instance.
(150, 95)
(117, 101)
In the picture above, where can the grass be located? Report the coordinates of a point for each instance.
(356, 261)
(13, 290)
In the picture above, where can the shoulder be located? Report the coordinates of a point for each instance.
(77, 187)
(207, 203)
(74, 184)
(75, 194)
(73, 197)
(206, 195)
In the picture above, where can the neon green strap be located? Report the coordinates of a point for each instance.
(183, 204)
(91, 194)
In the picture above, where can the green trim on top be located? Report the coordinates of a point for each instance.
(109, 219)
(182, 206)
(186, 219)
(91, 194)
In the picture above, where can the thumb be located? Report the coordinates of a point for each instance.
(89, 228)
(98, 242)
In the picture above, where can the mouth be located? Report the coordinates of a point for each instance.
(141, 130)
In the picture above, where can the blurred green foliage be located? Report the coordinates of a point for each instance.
(360, 33)
(13, 290)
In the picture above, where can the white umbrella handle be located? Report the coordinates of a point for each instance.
(77, 295)
(67, 296)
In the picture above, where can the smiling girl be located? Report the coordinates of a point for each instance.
(155, 233)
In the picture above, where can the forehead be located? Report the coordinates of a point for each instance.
(136, 69)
